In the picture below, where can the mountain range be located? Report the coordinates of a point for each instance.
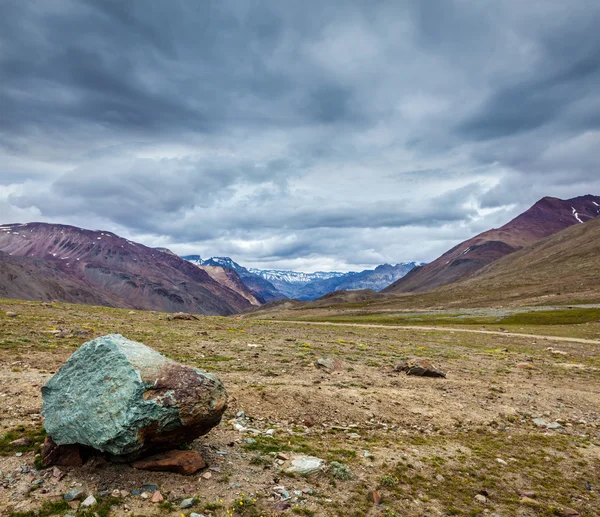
(274, 284)
(546, 217)
(53, 261)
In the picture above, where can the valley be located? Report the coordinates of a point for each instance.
(514, 429)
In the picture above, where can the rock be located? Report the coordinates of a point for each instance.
(181, 462)
(329, 363)
(80, 332)
(501, 461)
(157, 497)
(150, 487)
(281, 507)
(526, 493)
(61, 455)
(375, 497)
(187, 503)
(526, 366)
(11, 314)
(73, 495)
(90, 500)
(19, 442)
(282, 456)
(540, 422)
(554, 425)
(305, 465)
(121, 397)
(569, 512)
(57, 473)
(184, 316)
(481, 499)
(419, 367)
(529, 501)
(194, 514)
(206, 475)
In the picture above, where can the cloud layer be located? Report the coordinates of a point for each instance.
(313, 135)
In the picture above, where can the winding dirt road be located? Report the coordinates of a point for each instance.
(447, 329)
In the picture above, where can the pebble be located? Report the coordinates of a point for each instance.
(150, 488)
(136, 492)
(187, 503)
(144, 495)
(194, 514)
(481, 499)
(157, 497)
(19, 454)
(206, 475)
(73, 494)
(90, 500)
(270, 432)
(501, 461)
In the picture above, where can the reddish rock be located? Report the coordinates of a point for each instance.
(21, 441)
(61, 455)
(181, 462)
(569, 512)
(375, 497)
(157, 497)
(526, 493)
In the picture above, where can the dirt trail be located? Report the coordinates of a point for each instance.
(447, 329)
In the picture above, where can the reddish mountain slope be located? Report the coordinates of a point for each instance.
(228, 277)
(547, 217)
(120, 272)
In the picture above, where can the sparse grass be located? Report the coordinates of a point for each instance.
(36, 435)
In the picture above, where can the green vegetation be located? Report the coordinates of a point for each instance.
(36, 435)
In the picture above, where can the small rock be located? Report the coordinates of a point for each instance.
(12, 314)
(180, 462)
(554, 425)
(375, 497)
(62, 455)
(150, 487)
(206, 475)
(569, 512)
(90, 500)
(270, 432)
(420, 368)
(329, 363)
(21, 441)
(280, 507)
(501, 461)
(136, 491)
(157, 497)
(526, 493)
(282, 456)
(526, 366)
(481, 499)
(144, 495)
(184, 316)
(540, 422)
(305, 465)
(529, 501)
(57, 473)
(187, 503)
(73, 495)
(194, 514)
(19, 454)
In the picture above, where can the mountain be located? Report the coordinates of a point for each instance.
(546, 217)
(119, 272)
(292, 283)
(260, 287)
(229, 278)
(370, 279)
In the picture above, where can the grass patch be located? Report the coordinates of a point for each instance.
(36, 435)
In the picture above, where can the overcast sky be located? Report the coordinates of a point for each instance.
(312, 135)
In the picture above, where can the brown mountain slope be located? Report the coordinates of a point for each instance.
(547, 217)
(34, 279)
(561, 268)
(122, 273)
(229, 278)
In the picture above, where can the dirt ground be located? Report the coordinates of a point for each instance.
(463, 445)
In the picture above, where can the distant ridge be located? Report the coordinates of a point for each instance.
(546, 217)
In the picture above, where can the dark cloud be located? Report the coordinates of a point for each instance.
(313, 134)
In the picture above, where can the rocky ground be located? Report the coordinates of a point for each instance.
(513, 430)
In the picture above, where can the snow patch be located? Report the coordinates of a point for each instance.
(576, 215)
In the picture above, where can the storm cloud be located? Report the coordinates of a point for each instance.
(313, 135)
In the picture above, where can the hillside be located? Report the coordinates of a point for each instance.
(547, 217)
(119, 272)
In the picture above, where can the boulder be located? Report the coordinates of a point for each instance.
(123, 398)
(61, 455)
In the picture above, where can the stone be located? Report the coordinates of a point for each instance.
(501, 461)
(554, 425)
(61, 455)
(420, 368)
(123, 398)
(481, 499)
(206, 475)
(305, 465)
(187, 503)
(180, 462)
(526, 366)
(526, 493)
(529, 501)
(20, 442)
(73, 495)
(375, 497)
(157, 497)
(540, 422)
(329, 363)
(12, 314)
(569, 512)
(90, 500)
(194, 514)
(150, 487)
(183, 316)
